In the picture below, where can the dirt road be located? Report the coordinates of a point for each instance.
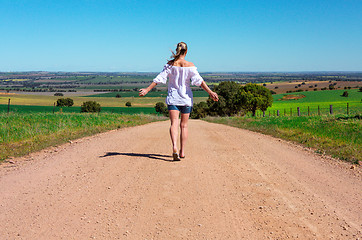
(233, 184)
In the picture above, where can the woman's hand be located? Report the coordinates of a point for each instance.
(142, 92)
(214, 96)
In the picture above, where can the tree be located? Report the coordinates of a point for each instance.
(90, 106)
(118, 95)
(345, 94)
(69, 102)
(128, 104)
(229, 102)
(65, 102)
(199, 110)
(360, 89)
(255, 97)
(58, 94)
(161, 108)
(331, 87)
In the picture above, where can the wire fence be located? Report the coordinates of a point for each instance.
(347, 108)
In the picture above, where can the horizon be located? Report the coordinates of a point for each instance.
(232, 36)
(221, 72)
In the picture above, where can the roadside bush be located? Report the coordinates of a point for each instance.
(229, 101)
(128, 104)
(90, 106)
(199, 110)
(58, 94)
(65, 102)
(161, 108)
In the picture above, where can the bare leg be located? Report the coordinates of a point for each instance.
(174, 115)
(184, 132)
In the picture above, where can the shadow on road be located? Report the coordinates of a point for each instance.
(166, 158)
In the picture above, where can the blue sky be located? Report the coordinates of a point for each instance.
(125, 35)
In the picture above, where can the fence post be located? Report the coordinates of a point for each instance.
(298, 109)
(319, 111)
(308, 111)
(278, 113)
(9, 106)
(347, 108)
(331, 109)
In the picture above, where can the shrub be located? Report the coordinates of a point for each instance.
(65, 102)
(128, 104)
(331, 86)
(161, 108)
(345, 94)
(199, 110)
(58, 94)
(229, 101)
(273, 92)
(90, 106)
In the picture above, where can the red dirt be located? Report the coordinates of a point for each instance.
(233, 184)
(292, 97)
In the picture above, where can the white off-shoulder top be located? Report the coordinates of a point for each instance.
(180, 79)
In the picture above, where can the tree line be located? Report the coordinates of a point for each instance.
(234, 99)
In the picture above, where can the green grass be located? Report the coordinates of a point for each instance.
(338, 136)
(23, 133)
(49, 109)
(323, 99)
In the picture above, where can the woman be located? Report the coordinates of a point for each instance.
(181, 74)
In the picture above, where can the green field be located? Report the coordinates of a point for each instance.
(22, 133)
(315, 98)
(338, 136)
(323, 99)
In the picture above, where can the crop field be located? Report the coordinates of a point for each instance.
(41, 100)
(284, 86)
(323, 99)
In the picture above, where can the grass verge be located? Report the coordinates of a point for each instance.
(338, 136)
(22, 133)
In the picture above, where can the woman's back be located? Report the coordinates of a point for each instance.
(182, 63)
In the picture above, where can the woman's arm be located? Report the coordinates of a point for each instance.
(212, 94)
(144, 91)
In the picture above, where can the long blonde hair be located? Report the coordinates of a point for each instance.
(180, 50)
